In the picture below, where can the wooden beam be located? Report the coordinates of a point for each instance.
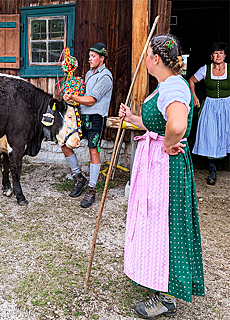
(140, 30)
(164, 11)
(168, 16)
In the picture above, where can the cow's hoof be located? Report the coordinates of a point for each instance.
(8, 192)
(23, 202)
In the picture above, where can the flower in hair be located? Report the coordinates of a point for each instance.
(170, 44)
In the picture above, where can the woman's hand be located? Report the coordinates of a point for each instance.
(196, 102)
(125, 112)
(175, 149)
(67, 96)
(192, 81)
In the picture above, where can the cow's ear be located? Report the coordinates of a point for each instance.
(53, 104)
(63, 105)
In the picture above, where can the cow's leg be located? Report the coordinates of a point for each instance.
(6, 187)
(15, 160)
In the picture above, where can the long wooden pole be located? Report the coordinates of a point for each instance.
(130, 91)
(112, 161)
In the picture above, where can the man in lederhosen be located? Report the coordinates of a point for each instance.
(94, 109)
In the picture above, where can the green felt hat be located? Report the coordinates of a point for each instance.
(100, 48)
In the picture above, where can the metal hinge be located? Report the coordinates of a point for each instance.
(22, 62)
(22, 27)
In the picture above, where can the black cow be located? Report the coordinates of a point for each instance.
(22, 106)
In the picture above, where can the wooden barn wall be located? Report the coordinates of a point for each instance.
(13, 7)
(163, 9)
(109, 21)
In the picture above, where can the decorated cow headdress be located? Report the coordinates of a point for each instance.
(70, 83)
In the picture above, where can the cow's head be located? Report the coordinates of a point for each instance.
(61, 124)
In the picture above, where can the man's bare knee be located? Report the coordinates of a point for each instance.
(67, 151)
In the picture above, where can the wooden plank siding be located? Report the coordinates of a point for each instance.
(111, 23)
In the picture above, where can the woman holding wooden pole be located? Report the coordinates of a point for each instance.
(162, 245)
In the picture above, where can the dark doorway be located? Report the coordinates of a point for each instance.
(198, 24)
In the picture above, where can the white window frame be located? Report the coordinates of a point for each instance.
(47, 40)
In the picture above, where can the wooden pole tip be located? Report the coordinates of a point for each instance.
(86, 287)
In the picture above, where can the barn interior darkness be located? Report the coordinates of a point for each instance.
(198, 24)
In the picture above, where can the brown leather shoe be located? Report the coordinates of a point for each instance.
(89, 197)
(80, 182)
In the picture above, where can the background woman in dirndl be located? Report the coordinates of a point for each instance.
(213, 130)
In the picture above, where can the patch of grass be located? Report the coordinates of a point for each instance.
(38, 302)
(66, 185)
(125, 206)
(28, 168)
(37, 204)
(121, 178)
(78, 313)
(60, 276)
(101, 184)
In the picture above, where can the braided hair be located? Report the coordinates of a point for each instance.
(168, 48)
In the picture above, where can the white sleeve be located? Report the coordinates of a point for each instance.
(201, 73)
(171, 90)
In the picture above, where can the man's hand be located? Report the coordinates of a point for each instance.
(67, 96)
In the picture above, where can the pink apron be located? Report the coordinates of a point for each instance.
(146, 259)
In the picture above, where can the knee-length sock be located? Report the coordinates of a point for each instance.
(94, 173)
(73, 163)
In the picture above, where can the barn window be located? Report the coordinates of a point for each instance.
(45, 31)
(47, 39)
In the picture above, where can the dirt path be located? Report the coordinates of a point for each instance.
(45, 249)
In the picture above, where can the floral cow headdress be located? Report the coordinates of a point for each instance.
(70, 83)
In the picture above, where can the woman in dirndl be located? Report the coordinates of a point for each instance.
(162, 242)
(213, 130)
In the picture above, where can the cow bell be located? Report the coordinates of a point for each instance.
(48, 119)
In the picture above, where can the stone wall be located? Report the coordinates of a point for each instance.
(51, 153)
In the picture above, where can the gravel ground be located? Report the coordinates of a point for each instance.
(45, 248)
